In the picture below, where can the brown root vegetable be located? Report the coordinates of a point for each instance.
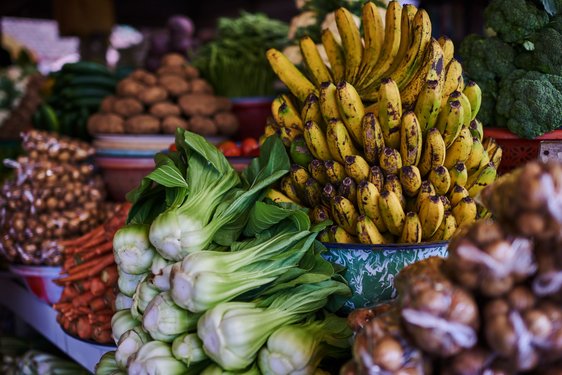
(173, 59)
(200, 86)
(548, 281)
(198, 105)
(105, 123)
(127, 107)
(129, 87)
(227, 123)
(358, 318)
(154, 94)
(191, 72)
(106, 105)
(164, 109)
(223, 104)
(171, 69)
(174, 84)
(171, 123)
(142, 124)
(202, 125)
(469, 362)
(144, 77)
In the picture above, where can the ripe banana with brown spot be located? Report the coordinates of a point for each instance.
(368, 203)
(392, 212)
(457, 193)
(426, 191)
(474, 95)
(344, 214)
(319, 214)
(479, 180)
(328, 193)
(351, 43)
(275, 105)
(406, 36)
(376, 176)
(459, 175)
(493, 150)
(316, 141)
(289, 189)
(460, 150)
(335, 171)
(339, 141)
(433, 154)
(277, 196)
(465, 211)
(440, 179)
(318, 171)
(466, 109)
(313, 61)
(288, 115)
(390, 112)
(329, 102)
(373, 35)
(412, 232)
(290, 75)
(449, 121)
(453, 80)
(373, 139)
(446, 203)
(351, 110)
(335, 54)
(311, 111)
(477, 152)
(393, 184)
(446, 230)
(367, 231)
(348, 189)
(288, 135)
(340, 235)
(448, 49)
(476, 129)
(431, 215)
(356, 167)
(411, 142)
(410, 179)
(390, 161)
(299, 176)
(428, 105)
(311, 192)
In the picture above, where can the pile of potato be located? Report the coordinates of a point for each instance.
(494, 306)
(53, 195)
(174, 97)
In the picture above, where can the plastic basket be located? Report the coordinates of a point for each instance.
(518, 151)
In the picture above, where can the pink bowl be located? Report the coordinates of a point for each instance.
(122, 175)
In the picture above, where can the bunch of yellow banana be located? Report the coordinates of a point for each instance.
(392, 149)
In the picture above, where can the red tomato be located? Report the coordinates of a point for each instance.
(250, 147)
(172, 147)
(229, 148)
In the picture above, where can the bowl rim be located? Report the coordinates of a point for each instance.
(392, 246)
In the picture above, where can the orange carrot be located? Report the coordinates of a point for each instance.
(91, 253)
(97, 287)
(98, 304)
(83, 300)
(83, 328)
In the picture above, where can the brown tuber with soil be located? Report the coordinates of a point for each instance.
(175, 96)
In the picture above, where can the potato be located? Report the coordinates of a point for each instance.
(200, 86)
(154, 94)
(127, 107)
(171, 123)
(142, 124)
(191, 72)
(194, 105)
(175, 85)
(173, 59)
(106, 105)
(203, 126)
(223, 103)
(105, 123)
(164, 109)
(129, 87)
(171, 69)
(227, 123)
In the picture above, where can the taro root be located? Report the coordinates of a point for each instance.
(191, 72)
(142, 124)
(127, 107)
(198, 105)
(171, 69)
(174, 84)
(200, 86)
(164, 109)
(441, 318)
(153, 94)
(129, 87)
(144, 77)
(202, 125)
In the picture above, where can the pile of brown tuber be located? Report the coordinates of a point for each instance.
(494, 306)
(52, 195)
(174, 97)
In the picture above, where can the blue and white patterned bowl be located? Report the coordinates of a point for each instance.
(370, 269)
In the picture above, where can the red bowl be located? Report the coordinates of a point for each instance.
(252, 115)
(122, 175)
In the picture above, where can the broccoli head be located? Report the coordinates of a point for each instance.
(546, 57)
(530, 102)
(514, 20)
(487, 112)
(486, 58)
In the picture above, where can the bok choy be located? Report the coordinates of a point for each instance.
(155, 358)
(164, 320)
(132, 249)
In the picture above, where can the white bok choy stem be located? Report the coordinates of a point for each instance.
(188, 348)
(128, 283)
(130, 343)
(108, 366)
(215, 369)
(144, 294)
(155, 358)
(121, 322)
(123, 302)
(132, 249)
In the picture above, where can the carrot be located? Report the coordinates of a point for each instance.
(83, 300)
(102, 316)
(89, 264)
(88, 269)
(82, 286)
(100, 250)
(83, 239)
(98, 304)
(102, 335)
(97, 287)
(68, 293)
(109, 276)
(61, 306)
(83, 328)
(92, 245)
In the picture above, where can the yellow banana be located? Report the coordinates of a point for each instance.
(269, 131)
(319, 214)
(410, 179)
(318, 171)
(457, 193)
(288, 135)
(351, 42)
(288, 114)
(329, 102)
(348, 189)
(412, 232)
(328, 193)
(376, 176)
(288, 188)
(406, 35)
(344, 214)
(446, 229)
(426, 191)
(290, 75)
(453, 80)
(476, 154)
(277, 196)
(433, 154)
(467, 110)
(368, 203)
(465, 211)
(356, 167)
(392, 212)
(325, 236)
(481, 179)
(367, 231)
(431, 215)
(316, 141)
(339, 141)
(340, 235)
(459, 151)
(351, 109)
(446, 203)
(372, 138)
(449, 121)
(440, 179)
(390, 161)
(459, 175)
(313, 61)
(311, 192)
(335, 171)
(474, 96)
(299, 176)
(410, 139)
(373, 35)
(275, 105)
(311, 111)
(392, 183)
(335, 54)
(390, 112)
(476, 129)
(448, 49)
(432, 69)
(493, 150)
(428, 105)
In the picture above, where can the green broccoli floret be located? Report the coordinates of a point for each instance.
(514, 20)
(546, 56)
(487, 112)
(486, 58)
(531, 103)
